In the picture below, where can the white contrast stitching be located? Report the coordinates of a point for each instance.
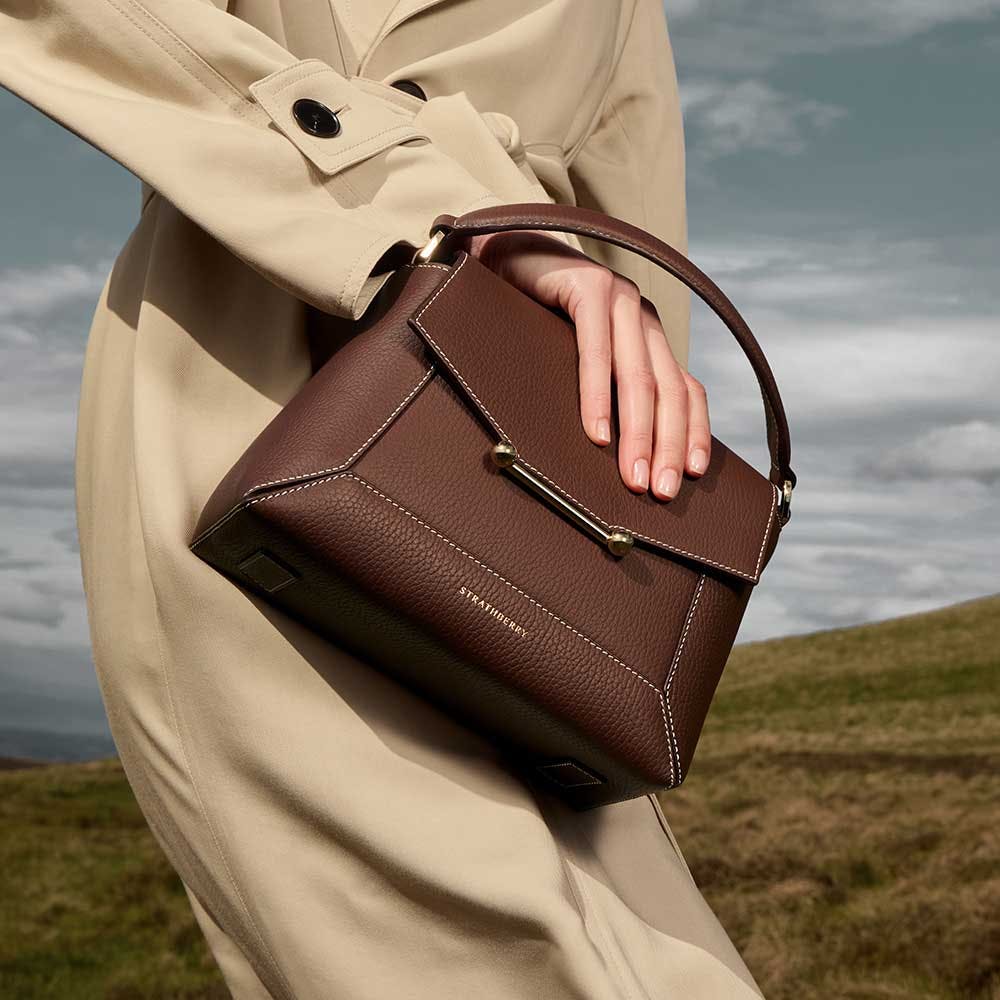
(448, 361)
(564, 492)
(493, 572)
(767, 529)
(676, 662)
(753, 578)
(649, 538)
(347, 461)
(668, 728)
(322, 472)
(696, 282)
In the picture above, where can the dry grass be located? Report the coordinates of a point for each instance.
(841, 816)
(89, 907)
(843, 810)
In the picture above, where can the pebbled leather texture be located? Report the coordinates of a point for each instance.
(371, 510)
(589, 222)
(722, 518)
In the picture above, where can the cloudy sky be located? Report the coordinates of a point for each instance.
(842, 189)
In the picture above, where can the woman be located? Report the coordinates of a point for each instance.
(339, 837)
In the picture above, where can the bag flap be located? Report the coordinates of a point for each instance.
(515, 362)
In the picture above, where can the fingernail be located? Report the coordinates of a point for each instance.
(640, 472)
(668, 482)
(604, 430)
(699, 460)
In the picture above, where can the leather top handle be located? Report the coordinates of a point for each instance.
(588, 222)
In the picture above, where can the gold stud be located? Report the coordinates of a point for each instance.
(504, 454)
(620, 542)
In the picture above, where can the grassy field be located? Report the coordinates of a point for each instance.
(843, 812)
(842, 817)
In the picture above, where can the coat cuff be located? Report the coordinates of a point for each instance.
(368, 125)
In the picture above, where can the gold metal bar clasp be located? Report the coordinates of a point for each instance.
(504, 454)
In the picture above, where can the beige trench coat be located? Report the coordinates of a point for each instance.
(339, 837)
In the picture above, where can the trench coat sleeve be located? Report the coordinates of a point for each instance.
(198, 104)
(631, 164)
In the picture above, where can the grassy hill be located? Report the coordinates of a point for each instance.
(842, 816)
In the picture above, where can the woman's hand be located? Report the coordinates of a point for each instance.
(662, 410)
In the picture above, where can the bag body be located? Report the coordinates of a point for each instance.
(430, 500)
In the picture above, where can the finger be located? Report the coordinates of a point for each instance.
(699, 440)
(590, 312)
(635, 382)
(670, 419)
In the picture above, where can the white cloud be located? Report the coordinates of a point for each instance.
(970, 449)
(736, 37)
(725, 118)
(904, 18)
(888, 377)
(681, 8)
(33, 292)
(862, 549)
(862, 335)
(922, 578)
(41, 592)
(885, 374)
(20, 605)
(44, 317)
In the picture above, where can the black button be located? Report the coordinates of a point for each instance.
(315, 118)
(409, 87)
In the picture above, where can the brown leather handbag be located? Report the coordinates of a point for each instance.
(430, 500)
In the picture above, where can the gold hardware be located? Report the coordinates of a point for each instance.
(784, 508)
(426, 254)
(620, 542)
(504, 455)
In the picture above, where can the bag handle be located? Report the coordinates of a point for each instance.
(448, 230)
